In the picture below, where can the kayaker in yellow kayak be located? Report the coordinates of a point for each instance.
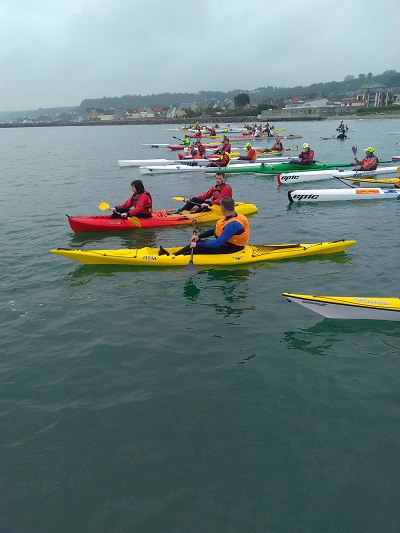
(278, 146)
(211, 197)
(138, 205)
(231, 234)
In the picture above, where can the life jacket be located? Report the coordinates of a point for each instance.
(224, 160)
(186, 141)
(239, 240)
(252, 154)
(216, 193)
(370, 162)
(202, 150)
(135, 198)
(309, 155)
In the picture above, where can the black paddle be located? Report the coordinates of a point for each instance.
(354, 148)
(191, 269)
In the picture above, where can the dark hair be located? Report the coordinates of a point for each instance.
(228, 204)
(138, 186)
(220, 174)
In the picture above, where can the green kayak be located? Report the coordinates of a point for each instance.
(279, 168)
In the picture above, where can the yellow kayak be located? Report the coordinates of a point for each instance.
(250, 254)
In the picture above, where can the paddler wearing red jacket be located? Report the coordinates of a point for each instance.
(201, 149)
(251, 154)
(212, 197)
(370, 161)
(140, 201)
(306, 156)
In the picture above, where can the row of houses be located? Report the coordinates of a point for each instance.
(300, 108)
(94, 114)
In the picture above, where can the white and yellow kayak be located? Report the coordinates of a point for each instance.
(318, 175)
(349, 307)
(371, 182)
(250, 254)
(330, 195)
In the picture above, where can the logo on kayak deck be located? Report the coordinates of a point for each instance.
(300, 197)
(289, 177)
(367, 191)
(150, 257)
(116, 223)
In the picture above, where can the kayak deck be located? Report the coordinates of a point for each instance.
(250, 254)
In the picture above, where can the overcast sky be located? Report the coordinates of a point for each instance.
(58, 52)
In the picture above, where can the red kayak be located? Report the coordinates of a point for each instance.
(105, 223)
(158, 218)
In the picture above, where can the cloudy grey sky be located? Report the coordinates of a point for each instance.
(59, 52)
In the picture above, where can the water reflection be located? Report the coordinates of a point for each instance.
(224, 290)
(320, 338)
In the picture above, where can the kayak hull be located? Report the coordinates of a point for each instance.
(349, 307)
(158, 219)
(330, 195)
(250, 254)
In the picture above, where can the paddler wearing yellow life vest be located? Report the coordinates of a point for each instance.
(231, 234)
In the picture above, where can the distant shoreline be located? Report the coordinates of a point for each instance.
(155, 121)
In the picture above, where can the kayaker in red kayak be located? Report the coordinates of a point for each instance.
(211, 197)
(231, 234)
(370, 161)
(251, 154)
(138, 205)
(201, 149)
(306, 156)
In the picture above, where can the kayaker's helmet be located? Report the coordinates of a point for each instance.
(305, 145)
(247, 145)
(370, 149)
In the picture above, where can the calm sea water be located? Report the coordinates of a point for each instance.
(140, 400)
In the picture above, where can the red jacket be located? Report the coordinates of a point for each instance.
(142, 203)
(223, 160)
(251, 154)
(307, 157)
(217, 193)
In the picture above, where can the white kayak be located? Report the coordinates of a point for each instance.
(189, 161)
(144, 162)
(349, 307)
(329, 195)
(318, 175)
(172, 169)
(396, 158)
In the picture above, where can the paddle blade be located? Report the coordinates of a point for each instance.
(103, 206)
(190, 269)
(354, 148)
(179, 198)
(135, 221)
